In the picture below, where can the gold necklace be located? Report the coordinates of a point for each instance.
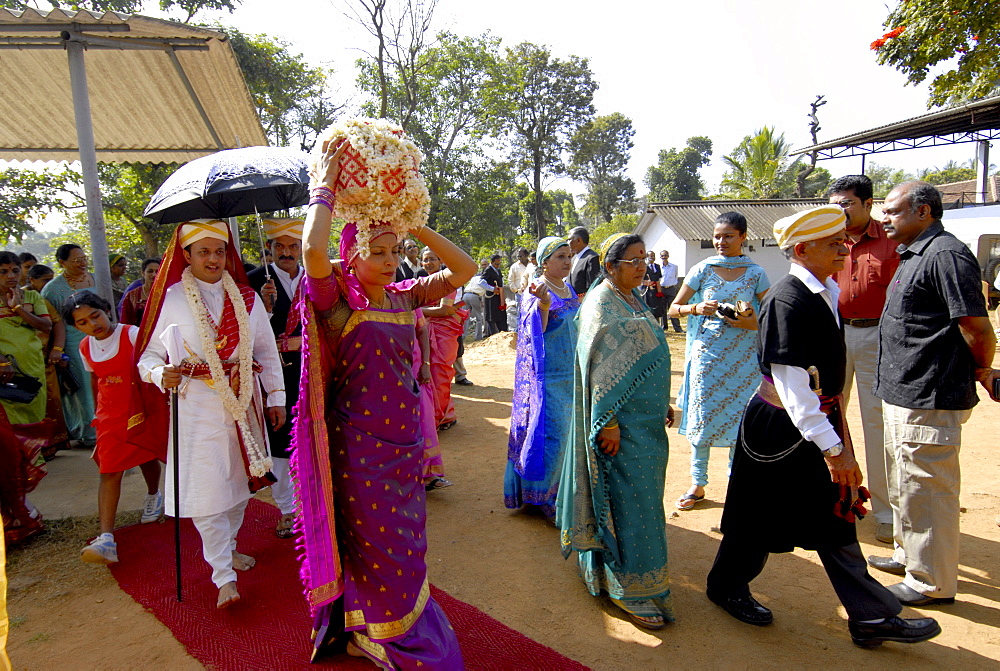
(628, 298)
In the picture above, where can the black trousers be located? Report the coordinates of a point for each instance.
(669, 294)
(739, 561)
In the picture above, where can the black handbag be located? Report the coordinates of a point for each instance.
(21, 388)
(68, 384)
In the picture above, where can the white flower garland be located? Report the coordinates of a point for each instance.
(260, 463)
(384, 149)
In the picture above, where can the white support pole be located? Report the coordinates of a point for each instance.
(88, 162)
(983, 171)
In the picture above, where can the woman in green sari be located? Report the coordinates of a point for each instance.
(610, 502)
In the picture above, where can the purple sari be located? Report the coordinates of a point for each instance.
(357, 463)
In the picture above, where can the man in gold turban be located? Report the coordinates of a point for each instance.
(205, 331)
(794, 440)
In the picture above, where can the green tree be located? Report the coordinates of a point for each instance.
(885, 179)
(292, 98)
(599, 156)
(26, 195)
(925, 33)
(189, 7)
(676, 173)
(759, 167)
(951, 172)
(539, 101)
(449, 121)
(620, 223)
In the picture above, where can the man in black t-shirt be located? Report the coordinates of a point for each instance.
(935, 342)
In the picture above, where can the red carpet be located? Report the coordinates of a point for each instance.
(269, 628)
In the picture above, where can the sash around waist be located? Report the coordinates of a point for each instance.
(769, 394)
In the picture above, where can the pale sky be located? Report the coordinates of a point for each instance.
(719, 68)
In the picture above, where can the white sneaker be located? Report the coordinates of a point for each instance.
(102, 550)
(152, 508)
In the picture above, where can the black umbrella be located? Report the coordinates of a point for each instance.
(233, 182)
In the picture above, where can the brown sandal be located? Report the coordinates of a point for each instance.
(285, 526)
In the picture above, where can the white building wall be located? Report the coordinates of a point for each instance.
(686, 253)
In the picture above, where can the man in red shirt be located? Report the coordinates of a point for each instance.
(863, 282)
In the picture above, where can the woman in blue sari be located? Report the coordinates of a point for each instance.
(543, 382)
(610, 502)
(720, 370)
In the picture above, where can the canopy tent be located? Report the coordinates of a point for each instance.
(136, 89)
(977, 121)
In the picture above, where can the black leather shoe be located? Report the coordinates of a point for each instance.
(893, 629)
(911, 597)
(887, 564)
(465, 382)
(745, 609)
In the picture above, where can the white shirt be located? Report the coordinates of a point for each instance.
(104, 350)
(477, 285)
(576, 257)
(288, 283)
(792, 382)
(516, 278)
(669, 278)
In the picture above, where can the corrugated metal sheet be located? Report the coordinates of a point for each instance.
(141, 107)
(974, 116)
(695, 219)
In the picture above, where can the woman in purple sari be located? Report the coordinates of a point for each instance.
(358, 446)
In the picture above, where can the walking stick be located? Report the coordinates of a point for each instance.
(177, 495)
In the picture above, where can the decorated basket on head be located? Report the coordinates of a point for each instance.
(379, 187)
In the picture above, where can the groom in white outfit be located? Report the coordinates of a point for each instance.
(223, 449)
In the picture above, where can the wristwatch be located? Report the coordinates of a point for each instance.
(834, 451)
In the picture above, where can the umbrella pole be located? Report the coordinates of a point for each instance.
(174, 414)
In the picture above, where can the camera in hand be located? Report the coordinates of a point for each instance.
(740, 309)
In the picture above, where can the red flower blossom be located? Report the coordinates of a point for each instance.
(878, 44)
(895, 32)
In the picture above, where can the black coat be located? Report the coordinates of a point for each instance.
(292, 361)
(585, 271)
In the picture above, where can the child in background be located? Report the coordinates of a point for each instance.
(108, 353)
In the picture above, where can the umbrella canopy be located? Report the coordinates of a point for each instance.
(231, 183)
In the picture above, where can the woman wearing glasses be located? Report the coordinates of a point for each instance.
(78, 407)
(610, 502)
(720, 370)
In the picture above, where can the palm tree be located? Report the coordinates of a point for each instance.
(759, 167)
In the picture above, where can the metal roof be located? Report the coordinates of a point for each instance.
(160, 91)
(695, 219)
(972, 122)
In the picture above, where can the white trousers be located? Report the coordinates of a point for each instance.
(862, 362)
(218, 541)
(283, 491)
(925, 509)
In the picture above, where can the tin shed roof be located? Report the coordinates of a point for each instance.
(695, 219)
(160, 91)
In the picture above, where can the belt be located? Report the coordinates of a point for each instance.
(861, 323)
(293, 344)
(200, 371)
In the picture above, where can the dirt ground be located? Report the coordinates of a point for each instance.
(65, 614)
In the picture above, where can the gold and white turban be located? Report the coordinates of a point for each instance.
(199, 229)
(819, 222)
(275, 228)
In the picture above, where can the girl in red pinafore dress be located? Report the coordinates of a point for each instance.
(108, 353)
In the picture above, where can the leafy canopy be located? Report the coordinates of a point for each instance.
(925, 33)
(676, 173)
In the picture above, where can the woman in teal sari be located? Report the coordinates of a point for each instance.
(610, 502)
(78, 407)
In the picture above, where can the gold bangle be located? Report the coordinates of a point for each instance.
(57, 349)
(5, 363)
(609, 425)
